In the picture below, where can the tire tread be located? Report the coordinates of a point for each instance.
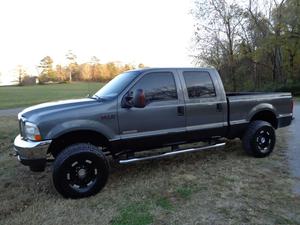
(71, 150)
(247, 138)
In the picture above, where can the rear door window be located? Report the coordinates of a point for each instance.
(199, 84)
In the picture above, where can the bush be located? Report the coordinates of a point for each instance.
(294, 88)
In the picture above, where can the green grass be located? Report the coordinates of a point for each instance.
(164, 203)
(134, 214)
(211, 187)
(21, 96)
(185, 192)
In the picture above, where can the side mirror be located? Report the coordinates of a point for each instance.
(127, 101)
(139, 99)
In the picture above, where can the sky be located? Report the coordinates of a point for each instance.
(156, 33)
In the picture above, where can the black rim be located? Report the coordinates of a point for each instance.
(81, 174)
(264, 140)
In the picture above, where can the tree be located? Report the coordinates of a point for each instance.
(271, 25)
(61, 73)
(127, 67)
(96, 72)
(291, 21)
(72, 65)
(85, 71)
(47, 73)
(21, 74)
(216, 36)
(113, 70)
(253, 46)
(141, 65)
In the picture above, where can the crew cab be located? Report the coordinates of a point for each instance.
(141, 111)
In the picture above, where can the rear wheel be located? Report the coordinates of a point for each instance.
(259, 139)
(80, 170)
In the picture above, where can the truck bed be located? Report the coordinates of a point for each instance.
(243, 105)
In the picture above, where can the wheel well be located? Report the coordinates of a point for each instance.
(267, 116)
(84, 136)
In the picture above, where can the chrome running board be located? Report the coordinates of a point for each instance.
(172, 153)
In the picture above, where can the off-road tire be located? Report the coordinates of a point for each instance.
(259, 139)
(80, 170)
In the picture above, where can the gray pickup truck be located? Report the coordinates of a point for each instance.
(141, 110)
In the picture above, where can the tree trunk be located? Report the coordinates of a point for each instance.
(278, 61)
(274, 77)
(255, 75)
(291, 62)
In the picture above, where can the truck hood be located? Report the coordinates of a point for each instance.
(57, 106)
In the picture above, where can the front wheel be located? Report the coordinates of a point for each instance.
(259, 139)
(80, 170)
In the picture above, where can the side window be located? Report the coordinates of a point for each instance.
(199, 84)
(157, 86)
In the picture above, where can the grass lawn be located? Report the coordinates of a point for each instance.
(13, 97)
(212, 187)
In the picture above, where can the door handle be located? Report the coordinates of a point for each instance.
(180, 110)
(219, 107)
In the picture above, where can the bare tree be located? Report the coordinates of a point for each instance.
(272, 13)
(21, 73)
(291, 20)
(216, 36)
(71, 57)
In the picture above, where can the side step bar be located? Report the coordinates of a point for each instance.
(168, 154)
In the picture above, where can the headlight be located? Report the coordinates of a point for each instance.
(32, 132)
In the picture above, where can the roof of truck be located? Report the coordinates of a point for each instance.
(173, 68)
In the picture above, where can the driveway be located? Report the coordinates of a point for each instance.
(288, 138)
(10, 112)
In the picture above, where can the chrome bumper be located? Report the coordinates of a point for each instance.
(31, 150)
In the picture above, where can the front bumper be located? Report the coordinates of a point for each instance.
(31, 153)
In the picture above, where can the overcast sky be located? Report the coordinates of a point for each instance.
(154, 32)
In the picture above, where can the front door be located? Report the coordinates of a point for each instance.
(162, 120)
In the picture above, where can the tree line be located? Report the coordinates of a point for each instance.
(255, 45)
(73, 71)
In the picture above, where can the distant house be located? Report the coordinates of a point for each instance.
(30, 80)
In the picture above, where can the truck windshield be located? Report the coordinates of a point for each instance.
(116, 85)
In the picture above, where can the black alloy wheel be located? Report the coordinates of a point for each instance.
(259, 139)
(81, 170)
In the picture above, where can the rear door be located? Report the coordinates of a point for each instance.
(163, 118)
(206, 108)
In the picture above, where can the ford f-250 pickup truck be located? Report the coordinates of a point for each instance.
(141, 110)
